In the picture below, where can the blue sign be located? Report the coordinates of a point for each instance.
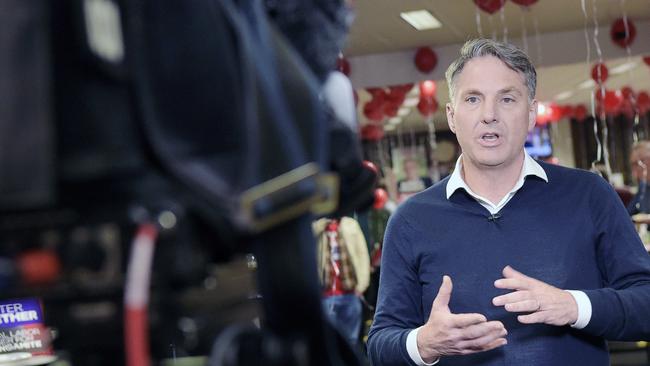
(20, 312)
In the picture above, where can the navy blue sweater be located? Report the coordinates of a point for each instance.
(572, 232)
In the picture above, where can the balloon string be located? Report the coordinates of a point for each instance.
(433, 146)
(503, 21)
(591, 99)
(628, 50)
(603, 117)
(587, 41)
(596, 31)
(523, 27)
(382, 153)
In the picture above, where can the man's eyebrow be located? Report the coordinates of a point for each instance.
(510, 90)
(472, 92)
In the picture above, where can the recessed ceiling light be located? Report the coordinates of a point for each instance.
(564, 95)
(623, 68)
(403, 112)
(587, 84)
(421, 19)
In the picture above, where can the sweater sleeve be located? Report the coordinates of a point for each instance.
(399, 307)
(620, 308)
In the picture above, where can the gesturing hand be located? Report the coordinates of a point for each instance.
(456, 334)
(545, 303)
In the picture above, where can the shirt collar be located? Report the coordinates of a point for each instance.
(531, 167)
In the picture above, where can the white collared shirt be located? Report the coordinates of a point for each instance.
(456, 182)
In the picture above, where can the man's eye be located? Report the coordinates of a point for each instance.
(508, 100)
(471, 100)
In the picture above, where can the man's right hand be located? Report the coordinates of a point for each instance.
(456, 334)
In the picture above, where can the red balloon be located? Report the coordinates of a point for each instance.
(378, 94)
(406, 87)
(343, 65)
(372, 132)
(569, 111)
(599, 73)
(627, 109)
(646, 59)
(490, 6)
(643, 102)
(390, 110)
(580, 112)
(612, 102)
(619, 34)
(395, 96)
(627, 92)
(39, 267)
(373, 111)
(425, 59)
(381, 197)
(427, 106)
(427, 88)
(524, 2)
(370, 166)
(643, 98)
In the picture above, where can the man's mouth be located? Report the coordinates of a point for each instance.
(489, 137)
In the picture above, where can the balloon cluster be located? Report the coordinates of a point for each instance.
(625, 101)
(385, 103)
(612, 102)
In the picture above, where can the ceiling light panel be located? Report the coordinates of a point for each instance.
(421, 19)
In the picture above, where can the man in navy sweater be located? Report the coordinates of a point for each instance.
(545, 262)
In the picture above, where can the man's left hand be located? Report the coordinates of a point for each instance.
(545, 303)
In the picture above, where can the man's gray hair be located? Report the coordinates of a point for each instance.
(512, 56)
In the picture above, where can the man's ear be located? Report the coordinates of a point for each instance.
(449, 109)
(532, 115)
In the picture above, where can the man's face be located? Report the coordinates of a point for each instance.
(490, 113)
(411, 169)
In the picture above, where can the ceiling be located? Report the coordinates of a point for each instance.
(378, 29)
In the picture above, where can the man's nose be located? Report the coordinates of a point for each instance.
(489, 112)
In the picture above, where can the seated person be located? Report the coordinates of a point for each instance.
(413, 183)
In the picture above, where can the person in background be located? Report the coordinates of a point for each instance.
(344, 269)
(545, 262)
(640, 163)
(413, 183)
